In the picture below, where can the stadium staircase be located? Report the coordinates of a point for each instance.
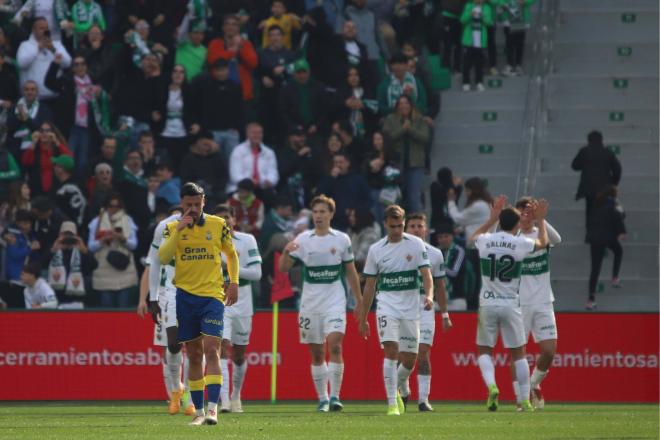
(603, 75)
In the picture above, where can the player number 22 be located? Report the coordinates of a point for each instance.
(501, 267)
(303, 323)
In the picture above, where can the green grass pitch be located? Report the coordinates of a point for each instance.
(149, 420)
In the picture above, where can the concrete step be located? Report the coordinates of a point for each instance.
(491, 133)
(573, 6)
(611, 116)
(568, 150)
(484, 165)
(606, 27)
(487, 115)
(465, 150)
(574, 298)
(613, 134)
(603, 92)
(573, 260)
(586, 53)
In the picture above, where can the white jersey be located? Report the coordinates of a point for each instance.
(323, 258)
(160, 276)
(501, 255)
(249, 261)
(397, 267)
(437, 261)
(535, 285)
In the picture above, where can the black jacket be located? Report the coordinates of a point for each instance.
(136, 95)
(216, 105)
(8, 83)
(325, 52)
(210, 172)
(70, 199)
(599, 167)
(289, 108)
(606, 223)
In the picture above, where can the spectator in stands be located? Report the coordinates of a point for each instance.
(35, 55)
(47, 222)
(325, 49)
(238, 52)
(108, 154)
(8, 82)
(173, 134)
(299, 168)
(9, 171)
(303, 101)
(153, 202)
(606, 229)
(598, 168)
(407, 135)
(225, 120)
(475, 214)
(69, 198)
(476, 17)
(355, 55)
(170, 186)
(384, 11)
(347, 188)
(69, 264)
(147, 148)
(277, 222)
(408, 20)
(112, 238)
(25, 117)
(254, 160)
(85, 14)
(356, 104)
(206, 167)
(54, 14)
(400, 82)
(455, 266)
(374, 170)
(418, 66)
(22, 244)
(364, 231)
(445, 180)
(273, 62)
(37, 158)
(82, 108)
(326, 153)
(285, 21)
(139, 44)
(248, 209)
(101, 187)
(367, 27)
(38, 293)
(191, 52)
(101, 59)
(516, 18)
(491, 36)
(18, 197)
(133, 171)
(355, 146)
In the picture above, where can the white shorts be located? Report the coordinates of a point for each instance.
(404, 332)
(167, 319)
(426, 326)
(539, 320)
(315, 327)
(237, 329)
(500, 319)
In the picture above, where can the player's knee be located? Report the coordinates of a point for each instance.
(174, 348)
(548, 350)
(238, 355)
(335, 349)
(212, 352)
(195, 354)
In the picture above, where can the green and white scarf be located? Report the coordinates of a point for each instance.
(23, 133)
(72, 283)
(140, 48)
(87, 12)
(396, 87)
(101, 110)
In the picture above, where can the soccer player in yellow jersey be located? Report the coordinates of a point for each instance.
(196, 242)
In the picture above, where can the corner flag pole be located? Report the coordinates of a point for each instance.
(273, 364)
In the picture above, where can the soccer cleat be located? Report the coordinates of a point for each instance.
(537, 398)
(335, 404)
(466, 87)
(493, 395)
(324, 406)
(175, 403)
(225, 406)
(591, 305)
(211, 418)
(236, 406)
(198, 420)
(393, 410)
(526, 406)
(480, 87)
(616, 283)
(401, 402)
(425, 407)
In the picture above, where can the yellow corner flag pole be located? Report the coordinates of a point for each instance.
(273, 364)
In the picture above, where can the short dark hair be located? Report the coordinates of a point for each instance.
(113, 196)
(282, 201)
(275, 28)
(33, 268)
(509, 218)
(23, 215)
(322, 198)
(42, 204)
(398, 58)
(144, 134)
(223, 208)
(416, 216)
(164, 165)
(342, 153)
(191, 189)
(523, 202)
(394, 212)
(595, 138)
(444, 228)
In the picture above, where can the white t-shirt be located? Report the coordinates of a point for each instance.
(41, 293)
(535, 287)
(160, 277)
(437, 261)
(248, 256)
(501, 255)
(323, 258)
(397, 267)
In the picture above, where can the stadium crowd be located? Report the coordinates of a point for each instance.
(108, 106)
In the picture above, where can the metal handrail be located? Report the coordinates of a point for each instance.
(535, 113)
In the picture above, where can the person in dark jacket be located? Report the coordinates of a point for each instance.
(8, 82)
(606, 229)
(356, 104)
(303, 100)
(101, 59)
(206, 167)
(325, 51)
(348, 189)
(599, 167)
(298, 168)
(445, 180)
(25, 117)
(69, 198)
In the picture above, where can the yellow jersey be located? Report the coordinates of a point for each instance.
(196, 250)
(287, 23)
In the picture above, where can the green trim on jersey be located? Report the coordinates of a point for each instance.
(322, 274)
(536, 265)
(243, 282)
(252, 263)
(398, 281)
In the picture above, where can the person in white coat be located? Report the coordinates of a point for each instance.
(35, 55)
(56, 12)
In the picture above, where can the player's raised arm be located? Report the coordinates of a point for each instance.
(540, 212)
(495, 211)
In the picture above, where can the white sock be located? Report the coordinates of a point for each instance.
(174, 361)
(402, 380)
(390, 379)
(516, 391)
(336, 373)
(237, 379)
(213, 406)
(185, 373)
(424, 385)
(487, 369)
(166, 379)
(537, 377)
(224, 389)
(522, 374)
(320, 377)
